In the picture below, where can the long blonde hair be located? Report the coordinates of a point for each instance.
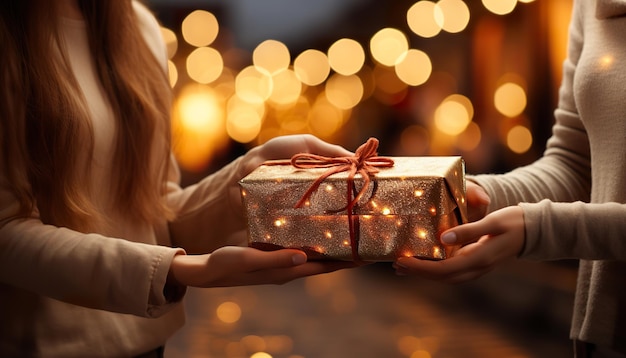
(44, 123)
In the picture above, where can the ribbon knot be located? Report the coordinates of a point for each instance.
(365, 162)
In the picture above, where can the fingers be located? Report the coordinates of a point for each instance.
(465, 234)
(256, 260)
(286, 146)
(248, 259)
(241, 266)
(477, 201)
(483, 245)
(476, 194)
(453, 270)
(318, 146)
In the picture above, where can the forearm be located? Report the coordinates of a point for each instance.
(574, 230)
(548, 178)
(84, 269)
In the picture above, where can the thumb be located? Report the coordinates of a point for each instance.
(464, 234)
(318, 146)
(307, 143)
(284, 147)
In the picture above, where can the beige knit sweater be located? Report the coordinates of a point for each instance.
(50, 275)
(574, 197)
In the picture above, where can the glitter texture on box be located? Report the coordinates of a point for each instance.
(401, 211)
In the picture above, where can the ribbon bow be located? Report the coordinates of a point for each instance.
(365, 162)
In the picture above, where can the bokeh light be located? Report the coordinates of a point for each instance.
(199, 109)
(425, 18)
(500, 7)
(454, 114)
(172, 73)
(325, 119)
(228, 312)
(420, 353)
(312, 67)
(387, 45)
(204, 65)
(344, 92)
(198, 126)
(286, 87)
(414, 68)
(252, 85)
(224, 85)
(261, 355)
(510, 99)
(200, 28)
(171, 41)
(243, 119)
(294, 117)
(456, 15)
(271, 56)
(254, 343)
(279, 344)
(274, 96)
(346, 56)
(519, 139)
(408, 344)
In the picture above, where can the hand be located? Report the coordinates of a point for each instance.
(286, 146)
(243, 266)
(484, 244)
(477, 201)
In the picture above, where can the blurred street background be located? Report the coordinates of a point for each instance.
(519, 311)
(450, 77)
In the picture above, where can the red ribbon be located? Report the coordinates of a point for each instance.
(365, 162)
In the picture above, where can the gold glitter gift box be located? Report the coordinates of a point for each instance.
(401, 212)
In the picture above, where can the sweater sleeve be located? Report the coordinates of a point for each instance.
(574, 230)
(89, 270)
(554, 191)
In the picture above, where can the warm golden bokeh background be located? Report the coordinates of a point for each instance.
(430, 78)
(448, 77)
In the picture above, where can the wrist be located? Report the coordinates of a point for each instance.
(174, 289)
(188, 270)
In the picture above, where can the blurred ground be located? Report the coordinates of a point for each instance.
(521, 310)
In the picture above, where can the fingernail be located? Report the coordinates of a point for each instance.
(298, 259)
(448, 238)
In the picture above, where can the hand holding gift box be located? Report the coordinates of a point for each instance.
(360, 208)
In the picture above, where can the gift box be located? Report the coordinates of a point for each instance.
(397, 210)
